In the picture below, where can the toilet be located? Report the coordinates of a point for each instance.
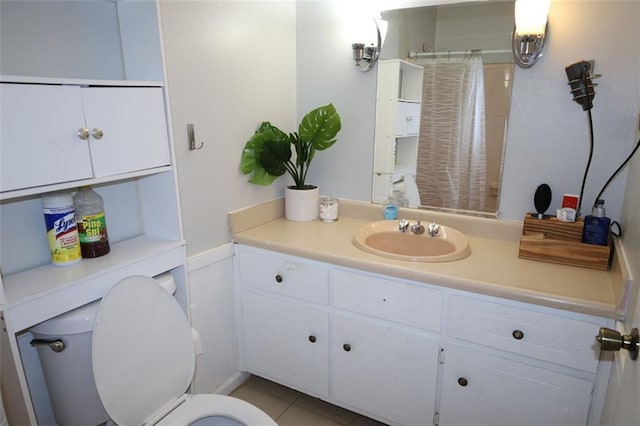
(143, 359)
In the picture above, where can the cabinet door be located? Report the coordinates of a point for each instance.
(39, 144)
(384, 370)
(286, 342)
(481, 389)
(134, 126)
(408, 119)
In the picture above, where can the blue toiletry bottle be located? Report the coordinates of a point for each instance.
(390, 208)
(596, 226)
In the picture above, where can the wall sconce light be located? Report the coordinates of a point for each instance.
(366, 56)
(530, 31)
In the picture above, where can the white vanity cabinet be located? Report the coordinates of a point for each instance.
(409, 353)
(70, 132)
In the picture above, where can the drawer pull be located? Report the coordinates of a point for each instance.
(279, 278)
(346, 347)
(462, 381)
(312, 338)
(517, 334)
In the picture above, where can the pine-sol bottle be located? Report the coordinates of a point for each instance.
(92, 226)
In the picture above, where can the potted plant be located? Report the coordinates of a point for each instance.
(268, 155)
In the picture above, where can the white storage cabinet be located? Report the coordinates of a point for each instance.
(54, 133)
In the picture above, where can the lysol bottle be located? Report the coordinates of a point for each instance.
(62, 232)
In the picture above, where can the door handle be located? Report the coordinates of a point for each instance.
(612, 340)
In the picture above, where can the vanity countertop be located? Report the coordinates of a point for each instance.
(493, 268)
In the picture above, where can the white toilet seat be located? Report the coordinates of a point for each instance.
(201, 406)
(143, 361)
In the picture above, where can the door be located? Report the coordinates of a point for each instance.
(384, 370)
(622, 400)
(286, 342)
(482, 389)
(134, 128)
(39, 143)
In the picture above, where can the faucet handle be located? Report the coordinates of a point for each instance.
(433, 229)
(403, 225)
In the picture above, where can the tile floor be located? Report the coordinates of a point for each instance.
(292, 408)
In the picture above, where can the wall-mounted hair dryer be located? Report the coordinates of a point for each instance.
(580, 80)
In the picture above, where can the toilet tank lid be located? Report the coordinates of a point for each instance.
(77, 321)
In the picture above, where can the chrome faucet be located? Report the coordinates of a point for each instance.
(403, 225)
(417, 228)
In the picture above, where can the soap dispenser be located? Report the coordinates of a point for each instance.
(390, 208)
(596, 226)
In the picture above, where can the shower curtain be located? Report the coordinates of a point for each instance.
(451, 166)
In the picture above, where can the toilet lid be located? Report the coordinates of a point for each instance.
(142, 352)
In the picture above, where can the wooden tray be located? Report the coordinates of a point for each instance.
(550, 240)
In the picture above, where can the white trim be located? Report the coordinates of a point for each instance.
(209, 257)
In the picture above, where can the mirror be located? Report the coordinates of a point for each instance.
(444, 91)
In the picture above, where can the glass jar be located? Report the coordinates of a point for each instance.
(328, 209)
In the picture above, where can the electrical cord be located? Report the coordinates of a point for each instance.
(586, 170)
(624, 163)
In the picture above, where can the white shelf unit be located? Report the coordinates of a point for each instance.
(132, 167)
(398, 104)
(143, 223)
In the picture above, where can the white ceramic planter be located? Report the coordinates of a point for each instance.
(301, 205)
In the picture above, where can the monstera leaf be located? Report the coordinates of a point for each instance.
(268, 153)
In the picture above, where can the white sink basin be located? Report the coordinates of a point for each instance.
(385, 239)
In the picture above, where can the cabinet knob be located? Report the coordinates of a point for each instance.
(312, 338)
(83, 133)
(279, 278)
(346, 347)
(517, 334)
(97, 133)
(409, 118)
(462, 381)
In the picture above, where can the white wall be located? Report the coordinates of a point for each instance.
(230, 66)
(547, 137)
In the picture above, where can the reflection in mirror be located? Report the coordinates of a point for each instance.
(446, 71)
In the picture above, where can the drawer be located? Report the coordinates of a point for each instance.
(388, 299)
(537, 335)
(289, 277)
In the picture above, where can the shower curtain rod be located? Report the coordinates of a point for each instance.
(414, 55)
